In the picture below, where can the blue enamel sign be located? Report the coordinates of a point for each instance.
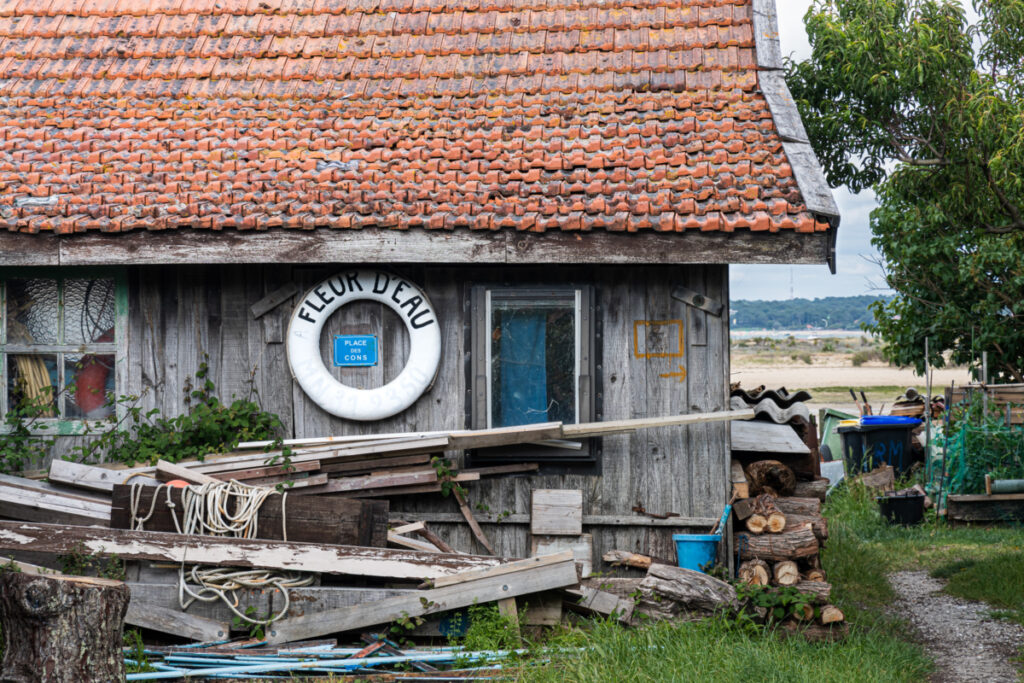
(355, 350)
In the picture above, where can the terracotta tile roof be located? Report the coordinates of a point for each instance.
(625, 115)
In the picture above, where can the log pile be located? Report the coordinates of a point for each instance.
(786, 553)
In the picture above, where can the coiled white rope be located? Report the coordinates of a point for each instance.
(230, 509)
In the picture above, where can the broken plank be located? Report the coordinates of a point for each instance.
(501, 569)
(41, 506)
(581, 547)
(95, 478)
(375, 481)
(528, 579)
(273, 300)
(236, 552)
(290, 482)
(474, 527)
(264, 471)
(168, 471)
(367, 466)
(175, 622)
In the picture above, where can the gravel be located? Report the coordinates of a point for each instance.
(958, 634)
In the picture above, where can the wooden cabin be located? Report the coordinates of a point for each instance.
(403, 216)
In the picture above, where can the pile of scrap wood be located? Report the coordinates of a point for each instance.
(323, 554)
(779, 535)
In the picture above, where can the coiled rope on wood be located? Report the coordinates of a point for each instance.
(230, 509)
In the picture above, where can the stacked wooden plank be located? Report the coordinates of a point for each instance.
(331, 519)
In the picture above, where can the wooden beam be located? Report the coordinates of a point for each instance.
(588, 520)
(331, 520)
(273, 300)
(501, 569)
(232, 552)
(265, 471)
(586, 429)
(505, 436)
(373, 245)
(526, 580)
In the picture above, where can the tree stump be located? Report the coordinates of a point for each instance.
(62, 628)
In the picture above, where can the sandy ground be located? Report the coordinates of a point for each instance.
(965, 643)
(869, 375)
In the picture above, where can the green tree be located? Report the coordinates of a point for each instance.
(905, 97)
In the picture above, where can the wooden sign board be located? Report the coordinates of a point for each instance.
(557, 512)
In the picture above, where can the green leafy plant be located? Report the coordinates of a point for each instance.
(79, 561)
(446, 475)
(778, 602)
(135, 652)
(256, 631)
(21, 442)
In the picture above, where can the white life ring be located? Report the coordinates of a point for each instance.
(307, 323)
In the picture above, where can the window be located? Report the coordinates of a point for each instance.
(58, 344)
(532, 360)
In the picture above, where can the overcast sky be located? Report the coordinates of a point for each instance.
(856, 273)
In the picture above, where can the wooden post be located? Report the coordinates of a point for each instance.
(62, 628)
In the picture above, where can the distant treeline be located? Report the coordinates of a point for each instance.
(832, 312)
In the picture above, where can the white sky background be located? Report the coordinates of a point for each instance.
(856, 270)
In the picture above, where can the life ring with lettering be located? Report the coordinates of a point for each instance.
(307, 323)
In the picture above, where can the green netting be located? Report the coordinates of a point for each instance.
(971, 452)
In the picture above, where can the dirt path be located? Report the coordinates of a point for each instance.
(807, 376)
(965, 644)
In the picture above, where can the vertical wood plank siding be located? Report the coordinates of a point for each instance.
(178, 313)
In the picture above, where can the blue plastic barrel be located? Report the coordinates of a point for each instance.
(696, 550)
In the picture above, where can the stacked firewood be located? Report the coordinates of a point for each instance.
(779, 536)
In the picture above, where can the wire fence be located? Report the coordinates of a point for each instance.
(970, 452)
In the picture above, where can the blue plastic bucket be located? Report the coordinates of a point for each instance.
(696, 550)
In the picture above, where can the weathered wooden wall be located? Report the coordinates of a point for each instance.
(178, 314)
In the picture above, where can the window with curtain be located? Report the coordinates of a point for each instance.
(532, 360)
(58, 345)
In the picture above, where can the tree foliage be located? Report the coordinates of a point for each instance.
(906, 97)
(830, 312)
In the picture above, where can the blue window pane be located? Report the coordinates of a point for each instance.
(533, 361)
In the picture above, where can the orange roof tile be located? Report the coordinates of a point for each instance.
(621, 115)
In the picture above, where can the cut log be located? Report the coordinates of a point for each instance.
(881, 478)
(62, 628)
(815, 574)
(811, 489)
(819, 591)
(804, 612)
(798, 506)
(830, 614)
(754, 573)
(818, 524)
(622, 558)
(786, 573)
(692, 590)
(766, 516)
(788, 545)
(770, 476)
(757, 523)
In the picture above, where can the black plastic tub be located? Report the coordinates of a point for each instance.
(905, 510)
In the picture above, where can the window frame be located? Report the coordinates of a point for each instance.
(62, 425)
(479, 389)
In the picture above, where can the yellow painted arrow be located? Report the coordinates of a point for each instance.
(681, 374)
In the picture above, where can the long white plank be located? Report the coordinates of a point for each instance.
(232, 552)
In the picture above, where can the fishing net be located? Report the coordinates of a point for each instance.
(974, 446)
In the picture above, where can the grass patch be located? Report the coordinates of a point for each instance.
(998, 581)
(877, 395)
